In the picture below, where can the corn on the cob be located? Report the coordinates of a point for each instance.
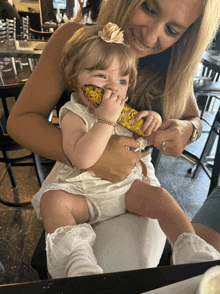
(127, 119)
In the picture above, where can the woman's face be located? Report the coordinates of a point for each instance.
(156, 25)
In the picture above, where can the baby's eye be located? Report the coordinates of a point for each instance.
(102, 76)
(122, 82)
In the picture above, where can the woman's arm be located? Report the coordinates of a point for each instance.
(28, 122)
(118, 160)
(176, 133)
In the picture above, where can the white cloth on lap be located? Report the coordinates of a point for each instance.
(128, 242)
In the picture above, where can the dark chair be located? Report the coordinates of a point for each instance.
(8, 144)
(206, 88)
(203, 161)
(11, 28)
(39, 258)
(25, 28)
(40, 35)
(215, 176)
(8, 35)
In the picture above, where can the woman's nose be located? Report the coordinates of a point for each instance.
(152, 35)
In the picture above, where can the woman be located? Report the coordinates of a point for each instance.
(168, 37)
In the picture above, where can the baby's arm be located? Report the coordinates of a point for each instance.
(152, 121)
(84, 147)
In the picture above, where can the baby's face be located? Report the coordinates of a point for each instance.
(108, 79)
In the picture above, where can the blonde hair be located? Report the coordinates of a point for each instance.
(85, 50)
(173, 93)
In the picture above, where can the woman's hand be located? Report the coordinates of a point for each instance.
(172, 137)
(117, 161)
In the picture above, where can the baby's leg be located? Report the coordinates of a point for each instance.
(69, 240)
(60, 208)
(155, 202)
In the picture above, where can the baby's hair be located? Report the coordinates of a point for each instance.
(85, 50)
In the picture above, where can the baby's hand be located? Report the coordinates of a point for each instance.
(111, 106)
(152, 121)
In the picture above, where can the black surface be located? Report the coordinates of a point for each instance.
(129, 282)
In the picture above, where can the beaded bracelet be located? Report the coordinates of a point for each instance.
(107, 122)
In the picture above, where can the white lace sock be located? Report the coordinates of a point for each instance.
(190, 248)
(69, 252)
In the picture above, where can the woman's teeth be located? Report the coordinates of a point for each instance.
(139, 44)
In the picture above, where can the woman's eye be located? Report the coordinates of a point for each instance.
(147, 8)
(172, 32)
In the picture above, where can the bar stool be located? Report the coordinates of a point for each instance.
(7, 34)
(25, 28)
(207, 85)
(215, 178)
(202, 162)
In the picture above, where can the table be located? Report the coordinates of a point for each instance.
(128, 282)
(21, 49)
(30, 49)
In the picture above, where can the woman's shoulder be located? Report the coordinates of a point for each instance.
(70, 26)
(66, 30)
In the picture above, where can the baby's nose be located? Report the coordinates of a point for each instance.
(113, 86)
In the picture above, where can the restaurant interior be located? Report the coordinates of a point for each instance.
(188, 178)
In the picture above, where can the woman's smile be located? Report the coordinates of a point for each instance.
(139, 43)
(155, 25)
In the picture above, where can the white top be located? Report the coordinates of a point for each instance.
(83, 182)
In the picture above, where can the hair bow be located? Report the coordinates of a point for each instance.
(111, 33)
